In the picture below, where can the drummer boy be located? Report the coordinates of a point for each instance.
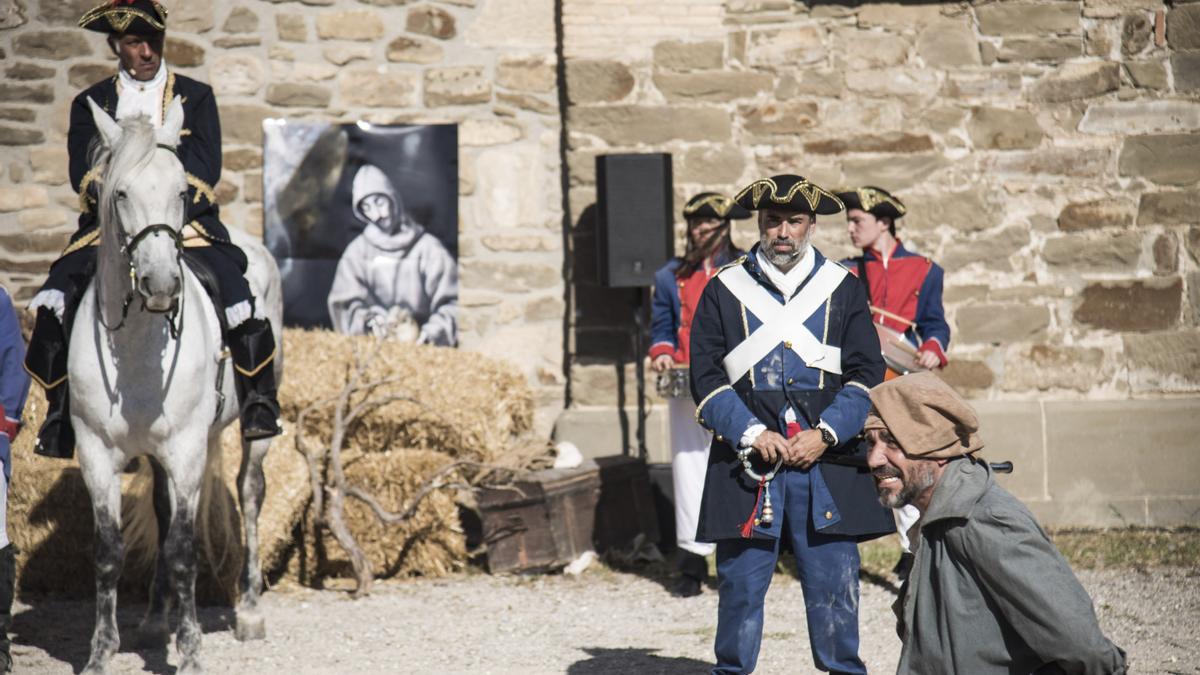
(677, 288)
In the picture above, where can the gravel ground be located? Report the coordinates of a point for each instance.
(603, 621)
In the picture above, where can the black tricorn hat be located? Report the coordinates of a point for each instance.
(126, 16)
(875, 201)
(714, 205)
(788, 192)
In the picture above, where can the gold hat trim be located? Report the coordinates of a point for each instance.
(719, 203)
(870, 198)
(120, 17)
(811, 192)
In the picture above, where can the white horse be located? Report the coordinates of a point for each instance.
(148, 378)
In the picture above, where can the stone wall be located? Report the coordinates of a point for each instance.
(487, 65)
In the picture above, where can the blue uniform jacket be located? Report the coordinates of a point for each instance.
(665, 308)
(14, 381)
(844, 496)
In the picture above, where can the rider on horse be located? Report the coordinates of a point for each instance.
(144, 85)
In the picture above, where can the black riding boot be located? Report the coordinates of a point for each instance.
(693, 569)
(46, 360)
(8, 583)
(252, 345)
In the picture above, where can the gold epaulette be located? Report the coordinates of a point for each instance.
(90, 239)
(202, 188)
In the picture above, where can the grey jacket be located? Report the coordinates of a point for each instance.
(989, 592)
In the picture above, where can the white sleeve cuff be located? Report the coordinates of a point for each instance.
(823, 425)
(751, 435)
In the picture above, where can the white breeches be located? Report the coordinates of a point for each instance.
(689, 464)
(906, 517)
(3, 512)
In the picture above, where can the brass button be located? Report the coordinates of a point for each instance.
(829, 515)
(787, 344)
(791, 380)
(720, 438)
(701, 420)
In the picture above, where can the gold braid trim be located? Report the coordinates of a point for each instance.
(811, 192)
(45, 385)
(85, 200)
(168, 94)
(252, 373)
(720, 203)
(871, 198)
(706, 399)
(90, 239)
(120, 17)
(202, 188)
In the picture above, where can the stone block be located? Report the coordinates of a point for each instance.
(27, 93)
(994, 252)
(1001, 324)
(786, 47)
(190, 16)
(17, 136)
(432, 21)
(1074, 81)
(948, 44)
(296, 95)
(513, 24)
(604, 431)
(252, 187)
(526, 73)
(1099, 213)
(968, 375)
(49, 164)
(787, 118)
(863, 49)
(409, 50)
(183, 53)
(44, 219)
(545, 308)
(83, 75)
(520, 243)
(1054, 161)
(28, 71)
(310, 71)
(52, 45)
(38, 243)
(1168, 159)
(237, 74)
(1147, 74)
(1168, 361)
(243, 123)
(373, 89)
(890, 82)
(1042, 50)
(718, 85)
(1191, 242)
(1122, 449)
(343, 54)
(1012, 432)
(685, 56)
(1001, 129)
(999, 82)
(462, 85)
(1136, 32)
(18, 198)
(1140, 117)
(226, 192)
(1172, 511)
(1051, 367)
(1166, 254)
(633, 124)
(63, 12)
(241, 20)
(476, 132)
(810, 82)
(511, 277)
(897, 17)
(18, 114)
(1108, 253)
(241, 159)
(1100, 40)
(360, 25)
(1186, 66)
(894, 141)
(1136, 306)
(722, 164)
(1024, 18)
(898, 173)
(1169, 208)
(528, 102)
(291, 27)
(854, 117)
(1183, 27)
(594, 81)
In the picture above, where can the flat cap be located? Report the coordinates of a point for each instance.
(926, 417)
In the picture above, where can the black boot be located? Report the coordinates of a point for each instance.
(8, 583)
(46, 361)
(252, 345)
(693, 569)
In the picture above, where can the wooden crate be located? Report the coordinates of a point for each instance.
(542, 523)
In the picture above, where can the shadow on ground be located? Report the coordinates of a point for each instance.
(60, 629)
(641, 661)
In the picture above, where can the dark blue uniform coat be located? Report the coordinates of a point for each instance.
(844, 500)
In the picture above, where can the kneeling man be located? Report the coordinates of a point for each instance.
(988, 592)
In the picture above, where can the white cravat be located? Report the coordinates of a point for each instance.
(787, 282)
(142, 98)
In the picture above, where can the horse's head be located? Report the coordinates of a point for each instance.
(143, 201)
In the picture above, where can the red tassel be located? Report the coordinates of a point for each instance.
(748, 526)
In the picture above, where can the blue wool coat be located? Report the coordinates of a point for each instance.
(844, 499)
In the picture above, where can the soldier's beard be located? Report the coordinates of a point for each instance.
(787, 258)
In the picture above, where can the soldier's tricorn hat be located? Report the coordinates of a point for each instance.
(714, 205)
(790, 193)
(875, 201)
(126, 16)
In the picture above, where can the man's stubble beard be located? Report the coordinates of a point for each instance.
(786, 261)
(923, 479)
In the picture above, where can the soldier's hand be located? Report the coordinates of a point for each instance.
(805, 448)
(928, 359)
(661, 363)
(770, 446)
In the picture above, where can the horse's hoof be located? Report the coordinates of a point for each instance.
(190, 667)
(252, 627)
(152, 635)
(94, 668)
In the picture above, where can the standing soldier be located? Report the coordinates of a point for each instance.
(144, 85)
(906, 303)
(783, 358)
(677, 288)
(14, 388)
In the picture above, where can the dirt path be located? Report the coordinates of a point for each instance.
(600, 622)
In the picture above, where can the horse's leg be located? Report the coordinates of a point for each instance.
(154, 629)
(251, 488)
(104, 486)
(180, 552)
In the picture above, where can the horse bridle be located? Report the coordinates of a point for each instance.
(127, 249)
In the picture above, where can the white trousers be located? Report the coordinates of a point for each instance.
(3, 512)
(906, 516)
(689, 464)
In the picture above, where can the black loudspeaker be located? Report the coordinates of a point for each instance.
(634, 204)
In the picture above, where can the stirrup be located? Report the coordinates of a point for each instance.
(259, 417)
(56, 438)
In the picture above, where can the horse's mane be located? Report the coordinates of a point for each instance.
(131, 153)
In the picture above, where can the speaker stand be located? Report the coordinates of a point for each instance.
(639, 351)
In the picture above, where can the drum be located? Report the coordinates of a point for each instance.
(674, 383)
(898, 354)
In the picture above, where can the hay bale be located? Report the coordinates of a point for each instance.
(430, 544)
(461, 404)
